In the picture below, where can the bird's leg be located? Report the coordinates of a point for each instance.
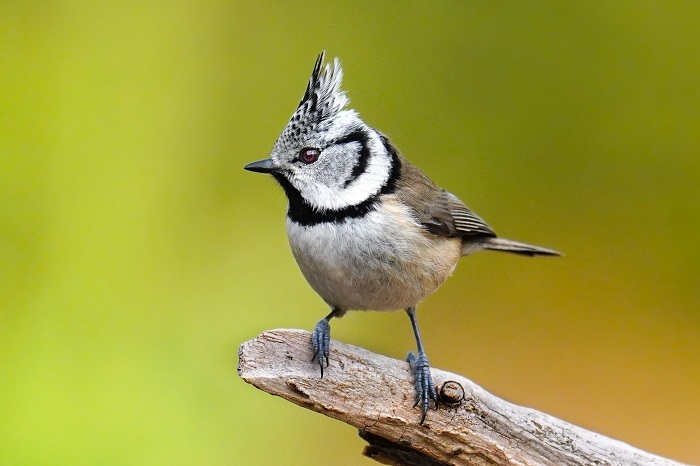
(425, 390)
(321, 338)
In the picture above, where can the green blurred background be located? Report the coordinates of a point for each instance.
(136, 254)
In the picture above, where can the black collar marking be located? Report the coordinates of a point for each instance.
(302, 213)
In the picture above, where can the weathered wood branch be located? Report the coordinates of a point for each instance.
(375, 394)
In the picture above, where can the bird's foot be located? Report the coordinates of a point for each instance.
(423, 382)
(321, 339)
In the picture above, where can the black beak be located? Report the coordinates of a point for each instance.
(261, 166)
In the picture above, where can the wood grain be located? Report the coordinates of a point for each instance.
(375, 394)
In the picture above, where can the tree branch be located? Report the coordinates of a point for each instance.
(375, 394)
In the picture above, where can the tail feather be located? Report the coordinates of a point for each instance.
(502, 244)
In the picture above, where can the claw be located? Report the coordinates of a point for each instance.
(423, 382)
(320, 339)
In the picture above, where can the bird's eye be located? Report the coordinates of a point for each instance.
(309, 155)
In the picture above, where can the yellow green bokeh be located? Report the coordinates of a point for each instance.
(136, 254)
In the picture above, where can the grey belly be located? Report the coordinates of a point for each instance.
(360, 283)
(382, 272)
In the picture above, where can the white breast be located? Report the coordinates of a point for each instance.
(383, 261)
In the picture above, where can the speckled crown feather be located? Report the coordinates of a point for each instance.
(322, 100)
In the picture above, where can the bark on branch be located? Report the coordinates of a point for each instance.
(375, 394)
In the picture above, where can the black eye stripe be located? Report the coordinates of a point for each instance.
(362, 138)
(356, 136)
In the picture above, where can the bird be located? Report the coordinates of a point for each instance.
(369, 230)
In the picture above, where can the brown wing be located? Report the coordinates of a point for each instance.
(441, 212)
(467, 223)
(450, 217)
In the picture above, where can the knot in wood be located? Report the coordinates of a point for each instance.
(451, 392)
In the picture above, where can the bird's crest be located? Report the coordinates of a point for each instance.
(322, 100)
(322, 106)
(323, 95)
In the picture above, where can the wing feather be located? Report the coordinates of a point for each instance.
(465, 222)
